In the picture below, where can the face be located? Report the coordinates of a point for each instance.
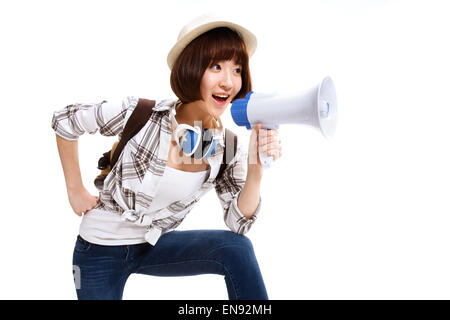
(220, 83)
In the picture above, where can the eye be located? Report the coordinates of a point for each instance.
(238, 70)
(216, 66)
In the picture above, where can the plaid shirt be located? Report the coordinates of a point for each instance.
(131, 185)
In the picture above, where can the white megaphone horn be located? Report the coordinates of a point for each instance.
(316, 107)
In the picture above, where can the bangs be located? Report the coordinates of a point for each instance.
(224, 44)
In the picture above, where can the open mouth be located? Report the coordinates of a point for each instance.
(220, 98)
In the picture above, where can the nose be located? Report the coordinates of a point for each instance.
(226, 82)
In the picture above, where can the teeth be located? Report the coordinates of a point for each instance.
(220, 96)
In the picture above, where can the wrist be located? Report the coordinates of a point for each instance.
(254, 172)
(74, 188)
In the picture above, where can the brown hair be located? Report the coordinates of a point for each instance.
(207, 49)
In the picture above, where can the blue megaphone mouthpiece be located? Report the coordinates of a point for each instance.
(239, 111)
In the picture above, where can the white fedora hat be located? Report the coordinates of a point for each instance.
(203, 24)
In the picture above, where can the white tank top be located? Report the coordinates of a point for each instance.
(107, 228)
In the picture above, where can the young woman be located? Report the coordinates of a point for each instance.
(129, 228)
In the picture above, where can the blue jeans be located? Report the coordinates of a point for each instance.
(100, 272)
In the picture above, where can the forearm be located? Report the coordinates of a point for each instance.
(68, 153)
(248, 200)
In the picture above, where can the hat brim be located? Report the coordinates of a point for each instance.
(248, 38)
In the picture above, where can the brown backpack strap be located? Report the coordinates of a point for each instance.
(135, 123)
(229, 152)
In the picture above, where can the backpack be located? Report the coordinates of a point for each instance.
(135, 123)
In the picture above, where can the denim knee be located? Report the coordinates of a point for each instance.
(233, 246)
(240, 240)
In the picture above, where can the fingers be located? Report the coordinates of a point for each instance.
(275, 153)
(272, 146)
(86, 206)
(265, 142)
(271, 150)
(269, 140)
(92, 204)
(269, 144)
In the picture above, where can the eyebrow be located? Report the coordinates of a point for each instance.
(219, 61)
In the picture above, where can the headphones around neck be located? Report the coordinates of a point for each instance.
(194, 141)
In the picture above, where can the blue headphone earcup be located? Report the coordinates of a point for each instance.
(211, 149)
(190, 144)
(188, 141)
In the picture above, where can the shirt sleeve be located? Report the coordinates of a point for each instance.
(228, 188)
(106, 117)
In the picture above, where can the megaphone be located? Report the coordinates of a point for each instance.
(316, 107)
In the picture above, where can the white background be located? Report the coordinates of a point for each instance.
(363, 216)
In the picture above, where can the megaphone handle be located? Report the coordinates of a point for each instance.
(266, 161)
